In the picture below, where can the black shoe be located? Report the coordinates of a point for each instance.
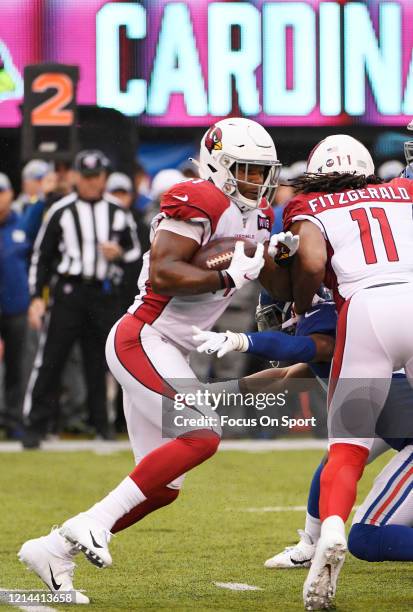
(31, 440)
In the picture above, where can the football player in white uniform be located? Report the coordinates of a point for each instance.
(356, 234)
(381, 529)
(147, 349)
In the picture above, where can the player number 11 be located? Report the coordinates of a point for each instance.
(360, 216)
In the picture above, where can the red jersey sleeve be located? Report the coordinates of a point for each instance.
(407, 184)
(297, 207)
(195, 200)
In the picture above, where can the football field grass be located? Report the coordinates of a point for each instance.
(171, 560)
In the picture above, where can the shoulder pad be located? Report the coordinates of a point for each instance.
(297, 206)
(195, 200)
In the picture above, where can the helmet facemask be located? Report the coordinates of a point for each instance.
(278, 316)
(408, 152)
(265, 190)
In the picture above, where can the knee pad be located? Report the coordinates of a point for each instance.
(363, 542)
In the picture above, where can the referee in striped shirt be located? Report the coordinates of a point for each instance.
(82, 245)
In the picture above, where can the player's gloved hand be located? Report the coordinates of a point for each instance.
(243, 268)
(283, 246)
(220, 343)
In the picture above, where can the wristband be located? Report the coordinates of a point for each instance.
(226, 281)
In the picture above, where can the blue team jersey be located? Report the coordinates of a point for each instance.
(14, 249)
(319, 319)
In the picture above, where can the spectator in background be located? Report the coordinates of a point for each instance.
(83, 243)
(14, 302)
(32, 216)
(120, 186)
(141, 183)
(55, 184)
(65, 179)
(162, 181)
(390, 169)
(32, 189)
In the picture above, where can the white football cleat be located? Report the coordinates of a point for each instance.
(321, 583)
(294, 557)
(90, 537)
(55, 570)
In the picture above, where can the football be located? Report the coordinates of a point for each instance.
(217, 254)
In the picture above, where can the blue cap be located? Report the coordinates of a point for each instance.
(36, 169)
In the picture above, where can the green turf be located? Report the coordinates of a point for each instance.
(171, 559)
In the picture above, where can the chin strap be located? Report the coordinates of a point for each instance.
(262, 205)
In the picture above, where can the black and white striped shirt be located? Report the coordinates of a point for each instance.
(69, 238)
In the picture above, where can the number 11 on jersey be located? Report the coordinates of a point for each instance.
(379, 214)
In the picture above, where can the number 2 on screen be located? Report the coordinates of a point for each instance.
(52, 111)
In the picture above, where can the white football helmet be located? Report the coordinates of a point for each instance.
(234, 142)
(340, 153)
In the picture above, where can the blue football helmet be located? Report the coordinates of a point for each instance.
(407, 173)
(408, 154)
(276, 315)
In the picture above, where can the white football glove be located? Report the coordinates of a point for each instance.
(283, 245)
(220, 343)
(243, 268)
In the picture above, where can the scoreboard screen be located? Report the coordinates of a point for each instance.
(49, 111)
(190, 62)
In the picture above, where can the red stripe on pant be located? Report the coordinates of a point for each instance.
(132, 356)
(338, 350)
(169, 461)
(392, 495)
(345, 465)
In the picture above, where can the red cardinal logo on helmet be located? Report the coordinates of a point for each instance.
(213, 139)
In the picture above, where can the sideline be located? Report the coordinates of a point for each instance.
(108, 448)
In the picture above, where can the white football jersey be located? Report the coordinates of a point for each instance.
(196, 202)
(369, 233)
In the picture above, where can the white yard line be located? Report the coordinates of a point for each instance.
(273, 509)
(106, 448)
(259, 446)
(237, 586)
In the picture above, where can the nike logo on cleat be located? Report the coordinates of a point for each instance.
(95, 544)
(299, 562)
(54, 583)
